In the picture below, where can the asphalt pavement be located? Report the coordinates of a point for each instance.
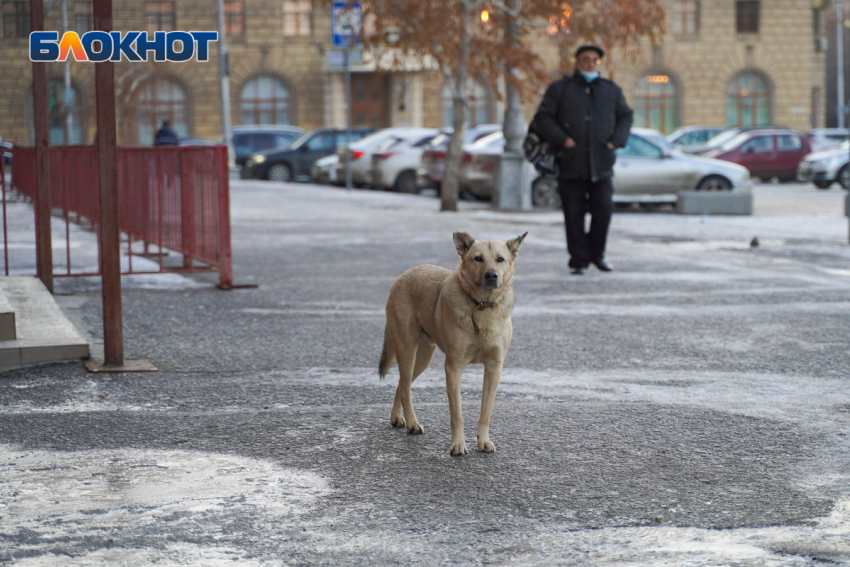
(690, 408)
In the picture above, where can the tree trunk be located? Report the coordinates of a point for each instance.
(449, 187)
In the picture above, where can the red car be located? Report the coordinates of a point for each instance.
(767, 153)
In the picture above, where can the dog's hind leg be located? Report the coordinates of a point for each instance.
(406, 358)
(424, 353)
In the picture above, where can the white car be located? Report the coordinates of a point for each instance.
(826, 167)
(395, 161)
(480, 162)
(827, 138)
(323, 170)
(649, 169)
(361, 152)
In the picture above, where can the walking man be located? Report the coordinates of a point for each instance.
(588, 117)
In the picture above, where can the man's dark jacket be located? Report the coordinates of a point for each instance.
(592, 114)
(165, 136)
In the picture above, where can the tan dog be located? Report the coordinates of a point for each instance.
(465, 312)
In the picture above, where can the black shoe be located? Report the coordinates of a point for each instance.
(578, 270)
(603, 265)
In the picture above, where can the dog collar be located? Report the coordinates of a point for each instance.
(479, 306)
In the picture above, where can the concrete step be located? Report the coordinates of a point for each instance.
(7, 320)
(44, 334)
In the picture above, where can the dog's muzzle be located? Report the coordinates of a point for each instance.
(491, 280)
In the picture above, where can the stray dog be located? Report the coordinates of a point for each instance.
(465, 312)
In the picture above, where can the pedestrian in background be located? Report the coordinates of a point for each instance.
(165, 136)
(588, 117)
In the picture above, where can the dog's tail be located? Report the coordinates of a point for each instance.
(387, 355)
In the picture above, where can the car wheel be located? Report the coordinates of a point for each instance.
(544, 193)
(280, 172)
(714, 183)
(406, 182)
(844, 176)
(823, 184)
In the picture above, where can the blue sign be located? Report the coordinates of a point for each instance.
(346, 22)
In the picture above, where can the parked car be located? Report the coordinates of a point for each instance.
(826, 138)
(195, 142)
(249, 140)
(826, 167)
(295, 161)
(395, 161)
(767, 153)
(324, 170)
(430, 172)
(479, 165)
(719, 139)
(690, 135)
(649, 168)
(361, 152)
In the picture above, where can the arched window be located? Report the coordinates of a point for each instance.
(748, 100)
(656, 102)
(59, 132)
(265, 100)
(479, 105)
(161, 99)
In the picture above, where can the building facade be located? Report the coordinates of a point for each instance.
(725, 62)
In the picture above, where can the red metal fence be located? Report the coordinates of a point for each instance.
(171, 199)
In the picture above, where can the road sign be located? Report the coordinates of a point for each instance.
(346, 22)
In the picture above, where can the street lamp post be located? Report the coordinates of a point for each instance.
(511, 186)
(839, 42)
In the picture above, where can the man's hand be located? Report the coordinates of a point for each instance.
(611, 146)
(569, 143)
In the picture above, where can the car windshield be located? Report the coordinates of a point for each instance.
(440, 139)
(659, 140)
(490, 141)
(736, 141)
(300, 140)
(721, 138)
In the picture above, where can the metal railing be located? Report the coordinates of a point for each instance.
(171, 200)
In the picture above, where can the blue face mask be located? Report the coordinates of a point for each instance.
(590, 76)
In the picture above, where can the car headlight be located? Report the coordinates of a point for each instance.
(258, 158)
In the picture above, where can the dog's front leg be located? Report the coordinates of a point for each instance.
(454, 370)
(492, 375)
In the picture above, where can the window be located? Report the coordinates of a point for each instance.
(638, 147)
(747, 16)
(16, 19)
(265, 100)
(234, 18)
(788, 143)
(161, 99)
(758, 145)
(296, 18)
(479, 105)
(60, 131)
(748, 100)
(159, 16)
(686, 17)
(83, 17)
(656, 103)
(321, 142)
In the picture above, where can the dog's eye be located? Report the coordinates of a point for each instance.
(479, 259)
(500, 259)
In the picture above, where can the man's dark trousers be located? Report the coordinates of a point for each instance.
(578, 196)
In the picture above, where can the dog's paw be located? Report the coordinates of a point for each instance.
(415, 428)
(397, 421)
(458, 448)
(486, 446)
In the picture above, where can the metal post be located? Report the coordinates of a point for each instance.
(107, 153)
(224, 73)
(839, 41)
(511, 191)
(347, 150)
(44, 251)
(68, 95)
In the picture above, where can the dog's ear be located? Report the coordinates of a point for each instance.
(463, 242)
(515, 243)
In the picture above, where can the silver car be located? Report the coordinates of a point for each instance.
(826, 167)
(650, 169)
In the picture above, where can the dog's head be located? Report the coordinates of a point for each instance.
(488, 264)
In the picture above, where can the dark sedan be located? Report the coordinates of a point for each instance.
(295, 161)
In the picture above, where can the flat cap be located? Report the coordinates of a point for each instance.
(589, 47)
